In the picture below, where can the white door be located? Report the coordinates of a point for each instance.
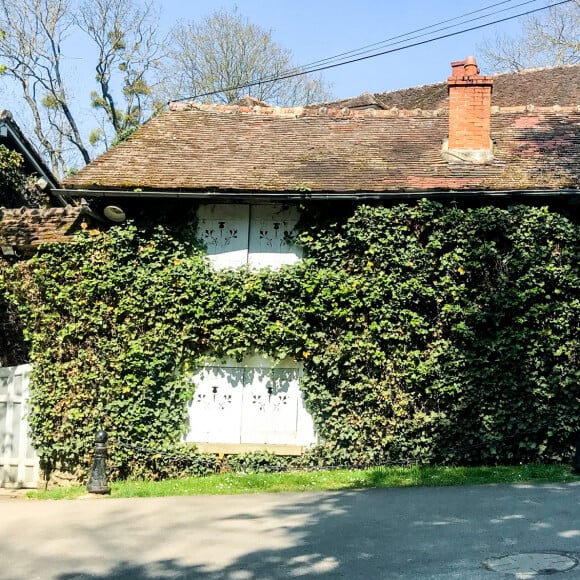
(217, 401)
(253, 402)
(18, 461)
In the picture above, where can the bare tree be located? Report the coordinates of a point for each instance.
(551, 38)
(34, 47)
(224, 53)
(128, 48)
(31, 51)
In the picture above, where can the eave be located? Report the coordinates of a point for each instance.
(286, 196)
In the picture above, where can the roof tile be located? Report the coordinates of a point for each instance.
(28, 228)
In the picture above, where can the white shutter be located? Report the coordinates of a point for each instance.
(253, 402)
(239, 234)
(215, 412)
(223, 228)
(272, 229)
(270, 408)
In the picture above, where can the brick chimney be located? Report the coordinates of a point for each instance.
(469, 111)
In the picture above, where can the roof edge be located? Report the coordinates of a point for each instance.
(318, 196)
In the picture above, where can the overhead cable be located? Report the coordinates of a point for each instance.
(316, 67)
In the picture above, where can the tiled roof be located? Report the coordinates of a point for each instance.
(27, 228)
(540, 87)
(201, 147)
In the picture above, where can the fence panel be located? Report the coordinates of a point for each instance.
(18, 461)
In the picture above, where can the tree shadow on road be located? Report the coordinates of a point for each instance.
(383, 533)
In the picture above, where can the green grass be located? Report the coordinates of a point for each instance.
(342, 479)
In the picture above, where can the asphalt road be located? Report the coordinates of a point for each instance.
(410, 533)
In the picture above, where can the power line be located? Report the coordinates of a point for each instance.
(407, 36)
(311, 69)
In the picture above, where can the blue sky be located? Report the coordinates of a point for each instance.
(317, 29)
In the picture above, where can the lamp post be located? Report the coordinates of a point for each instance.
(576, 460)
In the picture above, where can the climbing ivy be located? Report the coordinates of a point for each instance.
(109, 319)
(444, 334)
(17, 189)
(427, 332)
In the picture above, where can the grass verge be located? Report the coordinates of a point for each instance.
(341, 479)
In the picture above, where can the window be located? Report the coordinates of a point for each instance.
(240, 234)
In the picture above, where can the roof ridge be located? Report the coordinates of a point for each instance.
(304, 111)
(535, 69)
(345, 112)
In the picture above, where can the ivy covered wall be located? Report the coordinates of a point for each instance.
(426, 331)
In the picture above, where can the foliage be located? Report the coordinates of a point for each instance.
(444, 334)
(218, 57)
(13, 349)
(110, 318)
(16, 188)
(428, 333)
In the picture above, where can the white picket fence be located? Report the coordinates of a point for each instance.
(18, 461)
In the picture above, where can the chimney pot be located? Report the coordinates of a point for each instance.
(470, 66)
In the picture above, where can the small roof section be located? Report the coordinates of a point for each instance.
(25, 229)
(14, 139)
(543, 87)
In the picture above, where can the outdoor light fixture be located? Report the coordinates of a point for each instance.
(114, 213)
(41, 183)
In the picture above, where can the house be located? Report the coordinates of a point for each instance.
(248, 167)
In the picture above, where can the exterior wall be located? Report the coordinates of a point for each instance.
(256, 235)
(255, 404)
(18, 461)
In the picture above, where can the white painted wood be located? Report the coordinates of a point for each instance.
(260, 235)
(265, 404)
(272, 231)
(215, 412)
(224, 229)
(270, 409)
(18, 461)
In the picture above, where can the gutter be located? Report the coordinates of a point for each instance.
(317, 196)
